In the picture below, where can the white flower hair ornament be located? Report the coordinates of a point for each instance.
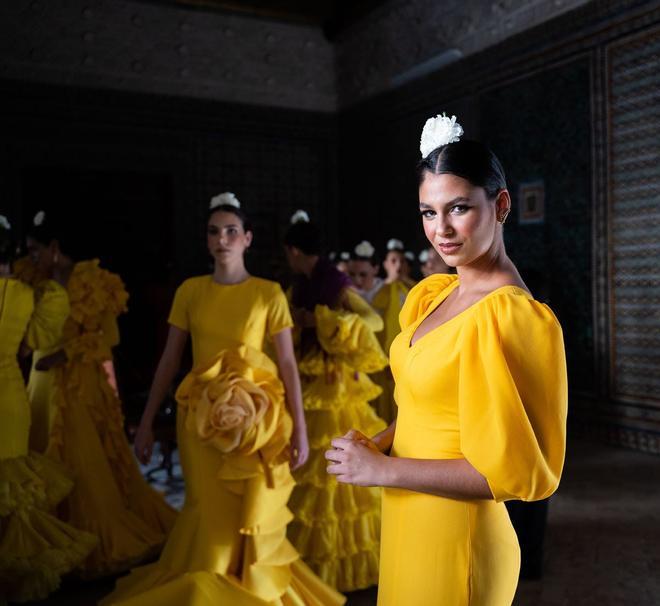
(394, 244)
(344, 256)
(424, 256)
(300, 216)
(365, 250)
(224, 199)
(4, 223)
(438, 131)
(410, 256)
(39, 218)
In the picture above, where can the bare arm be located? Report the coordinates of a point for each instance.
(356, 463)
(286, 362)
(170, 362)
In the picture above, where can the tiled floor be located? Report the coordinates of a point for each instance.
(602, 548)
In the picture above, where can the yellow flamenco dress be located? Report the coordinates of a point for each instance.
(229, 543)
(36, 548)
(81, 414)
(489, 385)
(337, 526)
(388, 303)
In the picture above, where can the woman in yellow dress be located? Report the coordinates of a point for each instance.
(388, 302)
(336, 527)
(481, 386)
(77, 409)
(229, 544)
(36, 548)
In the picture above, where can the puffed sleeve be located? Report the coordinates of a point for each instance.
(349, 338)
(421, 296)
(50, 312)
(279, 316)
(180, 307)
(513, 396)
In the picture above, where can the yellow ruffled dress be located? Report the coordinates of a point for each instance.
(488, 385)
(81, 414)
(388, 303)
(36, 548)
(229, 543)
(337, 526)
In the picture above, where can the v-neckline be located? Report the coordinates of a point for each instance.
(436, 303)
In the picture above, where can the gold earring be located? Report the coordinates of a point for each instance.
(502, 218)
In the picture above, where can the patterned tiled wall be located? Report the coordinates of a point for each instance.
(540, 129)
(634, 89)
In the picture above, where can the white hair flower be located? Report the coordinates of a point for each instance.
(424, 256)
(345, 256)
(300, 216)
(365, 249)
(410, 256)
(394, 244)
(39, 218)
(4, 222)
(225, 199)
(438, 131)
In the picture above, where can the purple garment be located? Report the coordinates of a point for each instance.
(323, 287)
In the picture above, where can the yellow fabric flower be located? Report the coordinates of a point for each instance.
(235, 403)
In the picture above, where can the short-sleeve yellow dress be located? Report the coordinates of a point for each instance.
(489, 385)
(36, 548)
(79, 413)
(229, 544)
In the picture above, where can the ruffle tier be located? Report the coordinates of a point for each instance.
(36, 548)
(337, 526)
(111, 499)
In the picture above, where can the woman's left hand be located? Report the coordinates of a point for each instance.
(353, 462)
(299, 448)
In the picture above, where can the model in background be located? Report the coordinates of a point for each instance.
(236, 439)
(336, 527)
(36, 548)
(75, 406)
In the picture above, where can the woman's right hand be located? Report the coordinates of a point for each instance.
(144, 442)
(358, 436)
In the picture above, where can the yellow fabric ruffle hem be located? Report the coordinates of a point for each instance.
(111, 499)
(36, 548)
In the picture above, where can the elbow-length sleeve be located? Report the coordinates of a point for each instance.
(512, 397)
(50, 312)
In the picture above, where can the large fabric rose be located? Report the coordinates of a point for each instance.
(235, 403)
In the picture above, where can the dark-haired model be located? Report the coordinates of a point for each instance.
(228, 546)
(77, 415)
(336, 527)
(481, 387)
(36, 549)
